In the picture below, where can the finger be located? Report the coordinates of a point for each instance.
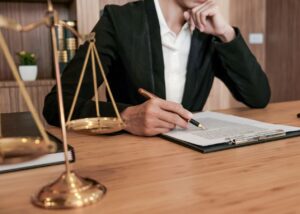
(186, 16)
(208, 12)
(200, 14)
(176, 108)
(195, 13)
(165, 125)
(192, 26)
(194, 16)
(155, 116)
(200, 19)
(169, 112)
(154, 121)
(172, 118)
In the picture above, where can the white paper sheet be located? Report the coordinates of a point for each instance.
(221, 126)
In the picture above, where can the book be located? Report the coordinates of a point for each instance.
(67, 44)
(228, 131)
(22, 124)
(63, 60)
(71, 41)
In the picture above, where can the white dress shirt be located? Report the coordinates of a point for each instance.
(176, 50)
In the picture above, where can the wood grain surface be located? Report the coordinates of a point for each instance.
(12, 101)
(152, 175)
(282, 48)
(250, 17)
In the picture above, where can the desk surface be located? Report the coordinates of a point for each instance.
(152, 175)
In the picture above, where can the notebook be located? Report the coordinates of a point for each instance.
(227, 131)
(22, 124)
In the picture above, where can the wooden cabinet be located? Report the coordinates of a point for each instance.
(38, 41)
(12, 101)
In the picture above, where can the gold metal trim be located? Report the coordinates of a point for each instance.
(18, 150)
(26, 148)
(98, 125)
(69, 191)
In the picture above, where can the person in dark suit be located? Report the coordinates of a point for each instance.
(172, 48)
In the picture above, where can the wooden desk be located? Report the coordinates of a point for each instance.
(152, 175)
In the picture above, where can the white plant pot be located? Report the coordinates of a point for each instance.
(28, 72)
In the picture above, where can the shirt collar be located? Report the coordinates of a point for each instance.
(164, 28)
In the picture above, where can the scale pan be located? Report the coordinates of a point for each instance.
(97, 125)
(22, 149)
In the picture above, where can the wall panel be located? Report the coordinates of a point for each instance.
(88, 13)
(250, 17)
(118, 2)
(283, 49)
(220, 97)
(12, 100)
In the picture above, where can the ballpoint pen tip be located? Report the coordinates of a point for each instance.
(201, 126)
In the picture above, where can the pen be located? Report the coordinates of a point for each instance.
(149, 95)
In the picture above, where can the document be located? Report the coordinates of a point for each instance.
(223, 128)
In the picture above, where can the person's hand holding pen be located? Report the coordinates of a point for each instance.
(155, 116)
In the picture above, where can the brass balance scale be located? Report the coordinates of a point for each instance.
(20, 149)
(69, 190)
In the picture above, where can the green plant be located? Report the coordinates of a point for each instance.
(26, 58)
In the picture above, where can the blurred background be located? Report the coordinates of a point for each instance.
(270, 27)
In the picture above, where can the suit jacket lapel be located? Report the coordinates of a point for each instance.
(195, 72)
(156, 54)
(199, 47)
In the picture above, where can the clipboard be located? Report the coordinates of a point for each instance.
(227, 145)
(226, 131)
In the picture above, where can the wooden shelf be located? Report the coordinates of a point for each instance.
(42, 82)
(37, 41)
(12, 100)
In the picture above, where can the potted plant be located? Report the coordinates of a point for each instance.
(28, 67)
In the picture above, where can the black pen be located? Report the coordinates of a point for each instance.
(149, 95)
(196, 123)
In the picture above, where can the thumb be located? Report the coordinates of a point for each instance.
(188, 18)
(186, 15)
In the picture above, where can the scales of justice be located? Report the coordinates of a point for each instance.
(69, 190)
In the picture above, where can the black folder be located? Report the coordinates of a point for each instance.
(22, 124)
(227, 145)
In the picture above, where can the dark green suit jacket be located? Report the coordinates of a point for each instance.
(129, 43)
